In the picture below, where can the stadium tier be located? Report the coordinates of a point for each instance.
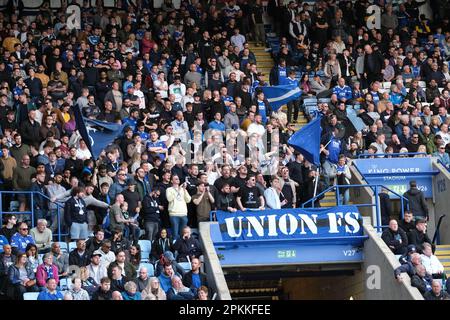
(230, 149)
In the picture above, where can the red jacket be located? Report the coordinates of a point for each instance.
(41, 275)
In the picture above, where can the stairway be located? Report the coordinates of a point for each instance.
(264, 59)
(264, 62)
(443, 254)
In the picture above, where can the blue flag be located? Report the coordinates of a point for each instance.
(280, 95)
(97, 134)
(307, 141)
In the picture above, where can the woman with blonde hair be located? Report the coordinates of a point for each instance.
(153, 291)
(421, 149)
(87, 282)
(435, 124)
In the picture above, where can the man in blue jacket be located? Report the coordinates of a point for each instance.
(50, 293)
(21, 239)
(343, 92)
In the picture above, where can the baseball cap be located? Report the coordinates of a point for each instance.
(412, 248)
(96, 253)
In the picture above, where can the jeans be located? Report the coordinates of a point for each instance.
(178, 223)
(151, 229)
(79, 231)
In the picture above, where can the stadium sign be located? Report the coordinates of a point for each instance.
(396, 173)
(318, 224)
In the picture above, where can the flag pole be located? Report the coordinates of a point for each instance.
(316, 183)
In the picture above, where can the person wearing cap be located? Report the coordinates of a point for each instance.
(442, 156)
(418, 236)
(395, 238)
(416, 200)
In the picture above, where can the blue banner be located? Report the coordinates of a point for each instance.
(396, 173)
(314, 224)
(280, 95)
(307, 141)
(97, 134)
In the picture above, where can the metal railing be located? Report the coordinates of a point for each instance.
(375, 189)
(444, 165)
(395, 155)
(32, 213)
(436, 237)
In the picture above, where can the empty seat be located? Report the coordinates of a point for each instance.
(64, 247)
(64, 284)
(185, 265)
(387, 85)
(72, 246)
(30, 295)
(146, 245)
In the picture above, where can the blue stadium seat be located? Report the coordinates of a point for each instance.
(64, 246)
(146, 245)
(185, 265)
(64, 284)
(146, 248)
(150, 268)
(72, 245)
(30, 295)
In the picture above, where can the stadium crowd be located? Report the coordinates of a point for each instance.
(200, 134)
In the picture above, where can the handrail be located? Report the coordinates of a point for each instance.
(33, 193)
(367, 155)
(373, 187)
(443, 164)
(436, 233)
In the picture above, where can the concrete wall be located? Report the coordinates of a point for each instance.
(325, 287)
(377, 256)
(441, 192)
(213, 269)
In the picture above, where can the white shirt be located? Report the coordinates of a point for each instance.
(164, 87)
(238, 41)
(432, 264)
(256, 128)
(83, 154)
(179, 91)
(445, 136)
(140, 95)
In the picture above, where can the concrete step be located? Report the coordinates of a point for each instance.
(443, 247)
(442, 253)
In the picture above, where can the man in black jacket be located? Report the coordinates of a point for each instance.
(395, 238)
(194, 279)
(416, 200)
(75, 215)
(79, 256)
(94, 243)
(419, 236)
(104, 292)
(373, 64)
(385, 207)
(30, 130)
(421, 280)
(187, 246)
(407, 223)
(150, 214)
